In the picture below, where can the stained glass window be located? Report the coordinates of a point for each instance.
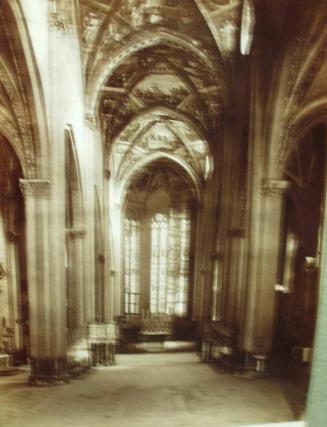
(159, 263)
(183, 277)
(170, 243)
(132, 266)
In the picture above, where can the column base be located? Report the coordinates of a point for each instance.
(103, 354)
(255, 366)
(49, 371)
(261, 363)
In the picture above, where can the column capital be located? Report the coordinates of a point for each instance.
(35, 188)
(13, 236)
(59, 22)
(76, 233)
(107, 173)
(273, 186)
(90, 121)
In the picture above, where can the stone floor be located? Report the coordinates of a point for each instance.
(173, 389)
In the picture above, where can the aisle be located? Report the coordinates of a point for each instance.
(148, 390)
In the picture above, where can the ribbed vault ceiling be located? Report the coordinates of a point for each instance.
(160, 100)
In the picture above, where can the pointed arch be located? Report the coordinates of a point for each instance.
(23, 80)
(148, 160)
(74, 190)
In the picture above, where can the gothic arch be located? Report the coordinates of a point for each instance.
(309, 117)
(20, 78)
(75, 182)
(150, 159)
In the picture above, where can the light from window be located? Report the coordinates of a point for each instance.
(132, 265)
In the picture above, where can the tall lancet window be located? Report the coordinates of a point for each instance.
(183, 276)
(159, 263)
(170, 246)
(157, 242)
(132, 266)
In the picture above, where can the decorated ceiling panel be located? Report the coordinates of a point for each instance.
(108, 25)
(159, 133)
(224, 17)
(161, 76)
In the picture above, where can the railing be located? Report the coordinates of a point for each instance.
(106, 333)
(92, 344)
(77, 335)
(102, 339)
(156, 324)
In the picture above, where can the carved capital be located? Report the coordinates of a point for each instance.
(3, 272)
(76, 233)
(272, 186)
(217, 256)
(107, 174)
(310, 264)
(90, 121)
(13, 236)
(58, 21)
(35, 188)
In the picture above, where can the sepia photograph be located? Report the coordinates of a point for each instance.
(163, 213)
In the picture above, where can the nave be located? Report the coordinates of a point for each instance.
(163, 171)
(174, 389)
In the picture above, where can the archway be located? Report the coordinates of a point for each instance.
(14, 329)
(299, 274)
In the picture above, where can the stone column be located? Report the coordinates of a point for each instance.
(75, 277)
(263, 255)
(107, 272)
(47, 297)
(201, 287)
(145, 264)
(15, 294)
(235, 276)
(116, 228)
(91, 134)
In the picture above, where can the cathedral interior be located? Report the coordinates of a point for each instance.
(162, 205)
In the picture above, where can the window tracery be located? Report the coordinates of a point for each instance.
(169, 263)
(159, 264)
(132, 266)
(157, 241)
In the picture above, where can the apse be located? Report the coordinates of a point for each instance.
(159, 214)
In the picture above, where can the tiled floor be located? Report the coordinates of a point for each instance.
(173, 389)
